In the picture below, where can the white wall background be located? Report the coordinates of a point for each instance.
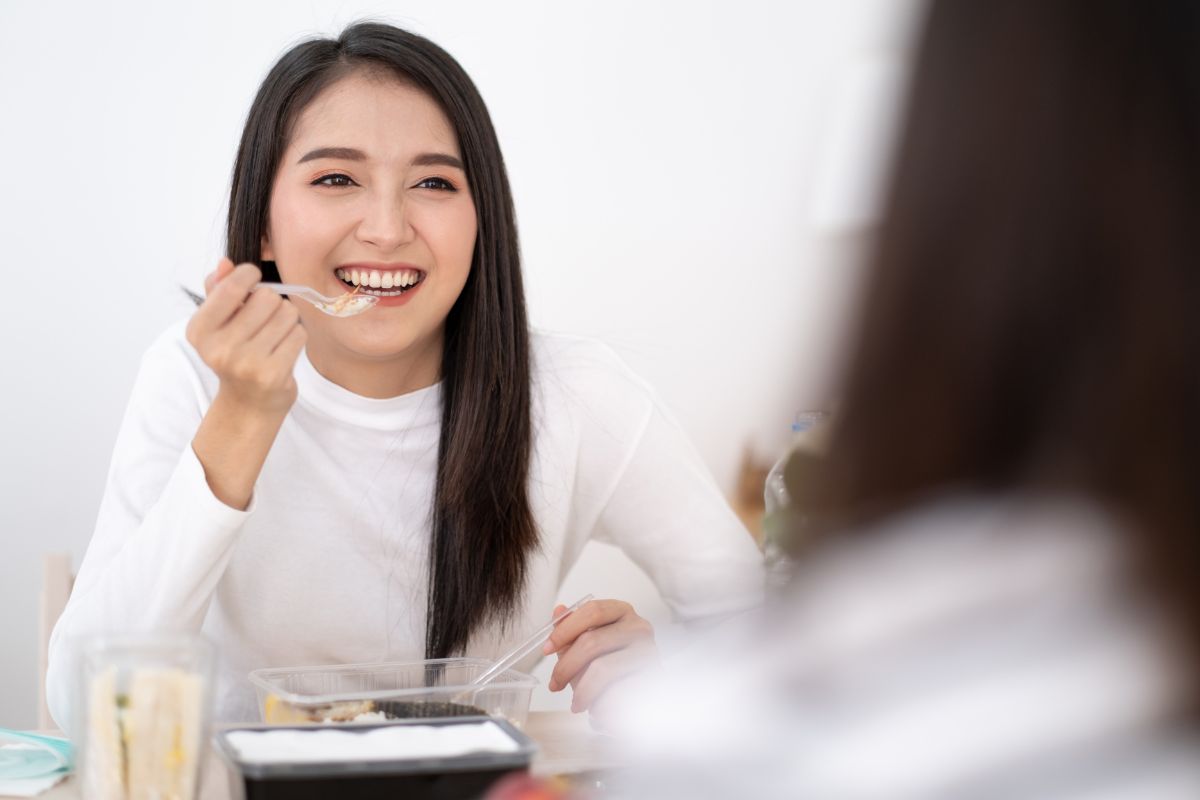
(663, 157)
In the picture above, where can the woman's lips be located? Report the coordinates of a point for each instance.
(386, 299)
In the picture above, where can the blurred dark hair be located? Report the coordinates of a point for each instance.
(1029, 320)
(482, 525)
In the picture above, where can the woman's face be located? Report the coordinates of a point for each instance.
(371, 192)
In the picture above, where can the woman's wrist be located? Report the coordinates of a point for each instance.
(232, 443)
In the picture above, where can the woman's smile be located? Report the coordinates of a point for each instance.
(392, 283)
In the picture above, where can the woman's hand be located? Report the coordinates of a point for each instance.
(251, 339)
(601, 643)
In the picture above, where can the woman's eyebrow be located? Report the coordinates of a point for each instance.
(437, 159)
(345, 153)
(352, 154)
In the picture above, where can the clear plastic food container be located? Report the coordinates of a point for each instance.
(145, 702)
(374, 693)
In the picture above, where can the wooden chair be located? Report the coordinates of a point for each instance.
(57, 580)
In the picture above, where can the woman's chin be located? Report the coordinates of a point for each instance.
(369, 344)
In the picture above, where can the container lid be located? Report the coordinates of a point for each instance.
(518, 758)
(274, 679)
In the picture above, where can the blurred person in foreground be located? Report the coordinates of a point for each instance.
(996, 588)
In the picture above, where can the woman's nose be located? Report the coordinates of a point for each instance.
(385, 223)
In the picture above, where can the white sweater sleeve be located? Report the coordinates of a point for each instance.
(659, 503)
(162, 539)
(666, 512)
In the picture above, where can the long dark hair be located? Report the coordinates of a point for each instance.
(1030, 317)
(482, 527)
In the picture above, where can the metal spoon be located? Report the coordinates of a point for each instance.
(347, 305)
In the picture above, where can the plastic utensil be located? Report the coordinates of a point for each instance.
(347, 305)
(520, 651)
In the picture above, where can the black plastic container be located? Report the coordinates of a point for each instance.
(467, 776)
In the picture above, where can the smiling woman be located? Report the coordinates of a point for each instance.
(393, 185)
(413, 480)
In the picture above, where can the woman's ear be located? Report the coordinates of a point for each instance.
(267, 253)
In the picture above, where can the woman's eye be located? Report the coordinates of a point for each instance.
(437, 183)
(336, 179)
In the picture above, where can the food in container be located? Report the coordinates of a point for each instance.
(390, 691)
(145, 716)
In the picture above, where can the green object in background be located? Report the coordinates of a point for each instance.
(784, 524)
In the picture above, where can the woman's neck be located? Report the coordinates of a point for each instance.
(416, 368)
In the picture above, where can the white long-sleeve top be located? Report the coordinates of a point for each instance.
(329, 563)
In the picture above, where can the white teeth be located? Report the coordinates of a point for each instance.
(379, 280)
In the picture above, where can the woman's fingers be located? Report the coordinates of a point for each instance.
(602, 673)
(224, 267)
(626, 631)
(287, 351)
(274, 328)
(259, 308)
(277, 327)
(590, 615)
(227, 288)
(594, 644)
(225, 298)
(230, 298)
(597, 645)
(249, 337)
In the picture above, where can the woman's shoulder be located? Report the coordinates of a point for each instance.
(554, 350)
(569, 366)
(586, 395)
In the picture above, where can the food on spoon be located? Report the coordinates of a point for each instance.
(351, 303)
